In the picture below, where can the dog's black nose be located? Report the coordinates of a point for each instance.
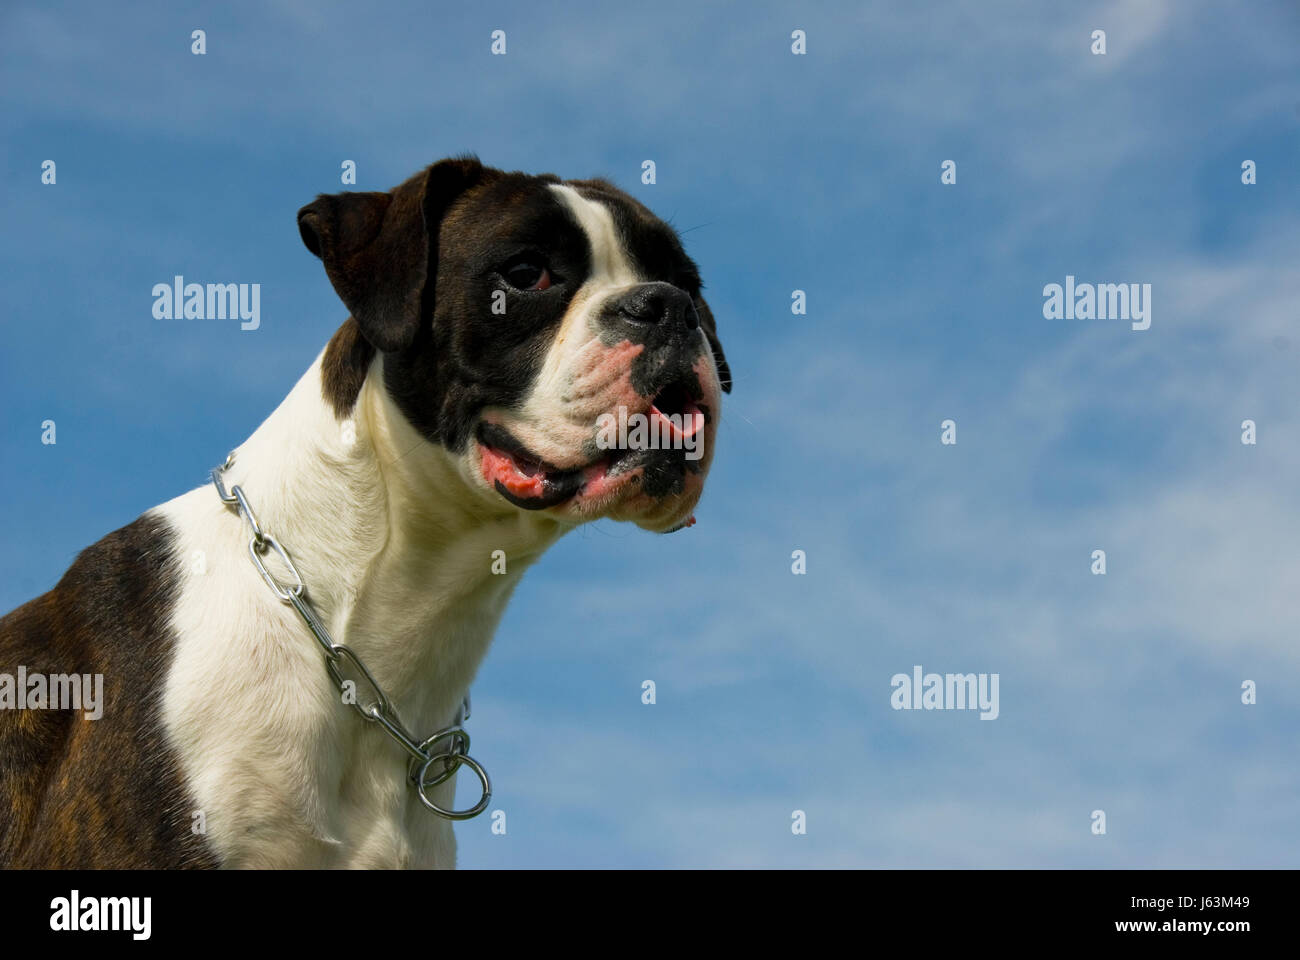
(659, 304)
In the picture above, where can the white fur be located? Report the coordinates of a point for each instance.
(395, 546)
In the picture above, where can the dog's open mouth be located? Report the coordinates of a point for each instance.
(530, 482)
(527, 480)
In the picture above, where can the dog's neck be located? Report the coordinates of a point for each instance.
(398, 551)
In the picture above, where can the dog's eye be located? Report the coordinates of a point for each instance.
(527, 275)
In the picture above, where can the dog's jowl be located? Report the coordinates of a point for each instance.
(497, 321)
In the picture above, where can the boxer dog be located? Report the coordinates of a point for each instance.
(443, 439)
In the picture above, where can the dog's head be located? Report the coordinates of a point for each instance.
(550, 335)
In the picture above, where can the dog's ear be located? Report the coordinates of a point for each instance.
(380, 250)
(710, 328)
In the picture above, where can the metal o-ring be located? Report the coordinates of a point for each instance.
(473, 811)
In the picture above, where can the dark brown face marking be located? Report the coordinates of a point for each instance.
(343, 368)
(103, 793)
(470, 357)
(444, 240)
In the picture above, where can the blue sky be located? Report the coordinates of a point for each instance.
(820, 173)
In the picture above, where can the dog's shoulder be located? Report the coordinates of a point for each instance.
(76, 790)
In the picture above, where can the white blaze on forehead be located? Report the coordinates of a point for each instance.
(610, 264)
(576, 382)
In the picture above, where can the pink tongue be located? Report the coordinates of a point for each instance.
(499, 468)
(691, 419)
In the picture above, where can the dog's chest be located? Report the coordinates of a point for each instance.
(282, 772)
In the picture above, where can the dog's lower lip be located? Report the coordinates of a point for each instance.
(531, 483)
(523, 478)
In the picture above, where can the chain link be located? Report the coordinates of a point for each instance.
(344, 667)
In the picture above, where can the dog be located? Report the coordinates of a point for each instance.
(443, 439)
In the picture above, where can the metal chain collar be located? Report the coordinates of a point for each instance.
(338, 656)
